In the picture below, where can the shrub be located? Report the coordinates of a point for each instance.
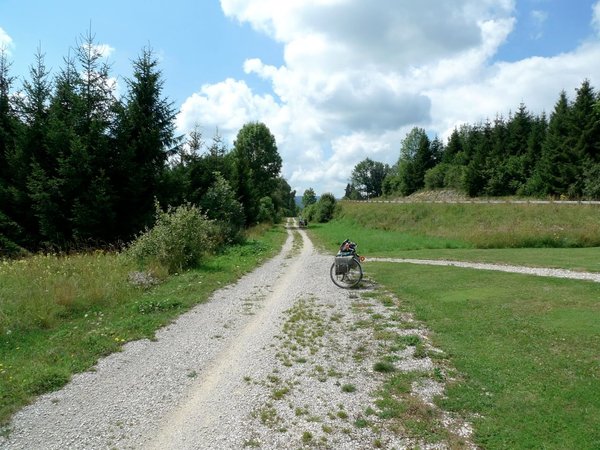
(591, 184)
(178, 240)
(309, 212)
(325, 208)
(220, 205)
(322, 211)
(434, 177)
(266, 210)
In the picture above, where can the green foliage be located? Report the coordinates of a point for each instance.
(367, 178)
(326, 207)
(435, 178)
(145, 133)
(266, 211)
(257, 164)
(81, 166)
(591, 184)
(59, 314)
(284, 199)
(521, 155)
(180, 238)
(323, 210)
(351, 193)
(221, 206)
(309, 197)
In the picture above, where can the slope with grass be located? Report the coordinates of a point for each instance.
(525, 348)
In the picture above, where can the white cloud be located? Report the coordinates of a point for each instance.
(104, 49)
(596, 17)
(359, 75)
(6, 42)
(228, 105)
(538, 19)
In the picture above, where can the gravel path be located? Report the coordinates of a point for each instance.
(282, 359)
(276, 361)
(542, 272)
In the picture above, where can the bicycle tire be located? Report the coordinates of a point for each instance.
(349, 279)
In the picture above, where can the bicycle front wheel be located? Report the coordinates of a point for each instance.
(349, 279)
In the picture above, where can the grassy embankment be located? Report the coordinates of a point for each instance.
(58, 315)
(525, 348)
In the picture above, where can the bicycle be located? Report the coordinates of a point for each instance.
(346, 271)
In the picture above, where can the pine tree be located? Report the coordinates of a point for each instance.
(11, 233)
(415, 159)
(557, 168)
(146, 135)
(53, 196)
(39, 164)
(90, 162)
(585, 133)
(477, 148)
(453, 149)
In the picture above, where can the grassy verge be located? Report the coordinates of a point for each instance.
(428, 225)
(526, 348)
(393, 231)
(59, 315)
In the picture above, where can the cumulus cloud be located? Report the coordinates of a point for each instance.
(6, 41)
(357, 76)
(596, 17)
(229, 105)
(538, 19)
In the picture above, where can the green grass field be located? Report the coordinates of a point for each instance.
(58, 315)
(525, 349)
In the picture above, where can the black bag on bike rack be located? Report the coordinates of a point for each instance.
(342, 264)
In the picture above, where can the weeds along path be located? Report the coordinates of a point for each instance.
(282, 359)
(539, 271)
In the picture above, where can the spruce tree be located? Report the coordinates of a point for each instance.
(91, 161)
(585, 133)
(39, 163)
(11, 232)
(145, 134)
(557, 168)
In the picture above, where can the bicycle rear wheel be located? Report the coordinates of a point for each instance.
(349, 279)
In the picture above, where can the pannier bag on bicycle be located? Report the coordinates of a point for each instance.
(342, 264)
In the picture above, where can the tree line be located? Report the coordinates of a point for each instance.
(80, 166)
(523, 155)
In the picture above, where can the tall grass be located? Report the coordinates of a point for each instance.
(44, 290)
(59, 314)
(479, 225)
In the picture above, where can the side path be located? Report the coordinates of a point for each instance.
(542, 272)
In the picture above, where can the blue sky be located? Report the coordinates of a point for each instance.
(336, 81)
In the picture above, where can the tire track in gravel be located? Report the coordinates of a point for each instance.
(203, 407)
(242, 370)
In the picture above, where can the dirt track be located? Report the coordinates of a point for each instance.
(281, 359)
